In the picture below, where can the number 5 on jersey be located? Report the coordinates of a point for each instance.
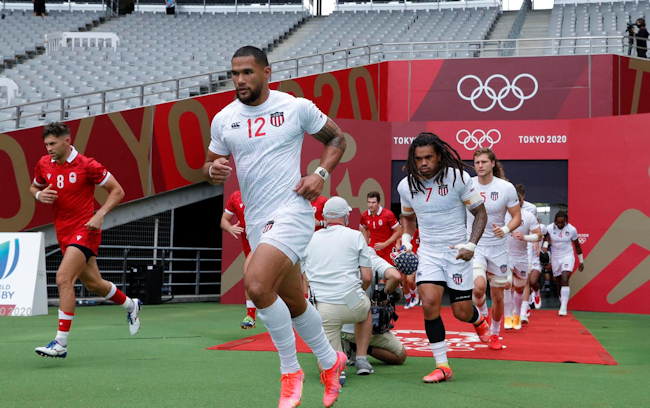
(259, 132)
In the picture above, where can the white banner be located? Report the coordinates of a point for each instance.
(22, 274)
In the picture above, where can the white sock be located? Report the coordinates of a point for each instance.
(277, 320)
(440, 352)
(250, 304)
(565, 294)
(62, 336)
(309, 326)
(495, 327)
(517, 300)
(524, 308)
(507, 303)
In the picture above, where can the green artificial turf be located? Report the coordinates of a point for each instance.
(166, 365)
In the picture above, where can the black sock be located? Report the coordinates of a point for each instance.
(435, 330)
(476, 317)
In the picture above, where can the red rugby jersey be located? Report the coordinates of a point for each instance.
(74, 182)
(318, 205)
(236, 207)
(380, 225)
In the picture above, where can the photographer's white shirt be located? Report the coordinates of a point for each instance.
(331, 263)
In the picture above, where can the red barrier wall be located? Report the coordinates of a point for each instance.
(152, 150)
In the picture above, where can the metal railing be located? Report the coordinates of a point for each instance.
(518, 24)
(179, 264)
(209, 82)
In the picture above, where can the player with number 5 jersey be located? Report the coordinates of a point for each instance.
(263, 130)
(66, 180)
(499, 197)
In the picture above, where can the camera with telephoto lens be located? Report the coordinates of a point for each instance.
(383, 309)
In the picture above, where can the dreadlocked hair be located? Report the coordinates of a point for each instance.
(498, 170)
(561, 214)
(449, 158)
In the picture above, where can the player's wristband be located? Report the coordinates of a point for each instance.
(406, 242)
(36, 196)
(470, 246)
(545, 245)
(581, 258)
(210, 172)
(531, 238)
(324, 174)
(505, 230)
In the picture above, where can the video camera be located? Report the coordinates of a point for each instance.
(383, 308)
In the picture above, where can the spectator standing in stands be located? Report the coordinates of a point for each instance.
(39, 8)
(641, 35)
(170, 6)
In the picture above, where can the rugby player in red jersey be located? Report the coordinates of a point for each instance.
(66, 180)
(380, 227)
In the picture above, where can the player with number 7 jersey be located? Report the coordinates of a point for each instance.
(66, 180)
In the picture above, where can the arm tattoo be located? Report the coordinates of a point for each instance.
(331, 135)
(480, 221)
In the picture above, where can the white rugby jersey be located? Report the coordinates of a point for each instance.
(498, 196)
(440, 210)
(266, 142)
(562, 240)
(519, 249)
(530, 207)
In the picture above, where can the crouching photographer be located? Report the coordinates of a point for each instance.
(384, 346)
(337, 266)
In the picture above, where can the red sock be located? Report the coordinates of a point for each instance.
(251, 312)
(119, 297)
(65, 321)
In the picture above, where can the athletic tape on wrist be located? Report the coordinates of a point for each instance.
(505, 230)
(531, 238)
(36, 196)
(545, 245)
(324, 174)
(581, 258)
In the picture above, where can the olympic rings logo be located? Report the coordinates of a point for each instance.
(478, 138)
(497, 97)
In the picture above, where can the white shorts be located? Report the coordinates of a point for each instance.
(535, 265)
(443, 266)
(288, 232)
(519, 268)
(493, 258)
(562, 264)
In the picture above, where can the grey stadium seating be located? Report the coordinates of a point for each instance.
(584, 20)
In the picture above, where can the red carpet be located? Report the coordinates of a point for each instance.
(548, 338)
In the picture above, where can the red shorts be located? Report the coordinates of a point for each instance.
(83, 237)
(245, 245)
(385, 255)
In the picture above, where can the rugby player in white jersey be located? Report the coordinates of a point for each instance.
(437, 191)
(560, 235)
(264, 130)
(491, 256)
(528, 232)
(533, 259)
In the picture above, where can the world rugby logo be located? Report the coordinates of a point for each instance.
(9, 255)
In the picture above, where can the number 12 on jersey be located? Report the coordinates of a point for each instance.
(259, 132)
